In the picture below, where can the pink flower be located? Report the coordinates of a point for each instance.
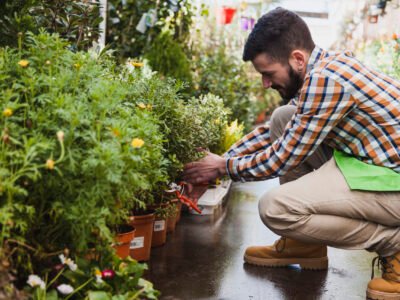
(107, 274)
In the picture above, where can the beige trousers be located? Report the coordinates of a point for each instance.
(318, 206)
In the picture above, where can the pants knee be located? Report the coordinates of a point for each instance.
(277, 211)
(270, 208)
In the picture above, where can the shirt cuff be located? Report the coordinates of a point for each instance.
(231, 169)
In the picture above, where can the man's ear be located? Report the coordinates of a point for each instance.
(298, 60)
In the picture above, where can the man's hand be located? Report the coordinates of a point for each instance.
(205, 170)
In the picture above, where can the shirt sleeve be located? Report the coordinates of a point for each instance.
(323, 102)
(258, 139)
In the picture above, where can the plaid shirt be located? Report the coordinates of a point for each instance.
(342, 103)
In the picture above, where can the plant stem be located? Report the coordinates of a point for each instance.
(79, 288)
(137, 294)
(55, 278)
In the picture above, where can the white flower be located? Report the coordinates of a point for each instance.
(69, 262)
(65, 289)
(35, 280)
(99, 276)
(98, 279)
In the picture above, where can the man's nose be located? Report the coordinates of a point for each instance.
(266, 83)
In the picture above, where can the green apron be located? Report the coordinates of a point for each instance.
(363, 176)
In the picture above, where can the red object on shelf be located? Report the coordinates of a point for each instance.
(227, 14)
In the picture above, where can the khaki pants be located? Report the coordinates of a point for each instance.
(318, 206)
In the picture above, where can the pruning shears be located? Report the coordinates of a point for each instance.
(179, 190)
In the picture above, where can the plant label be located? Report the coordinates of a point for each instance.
(159, 225)
(137, 242)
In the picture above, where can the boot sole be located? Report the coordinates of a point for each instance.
(320, 263)
(377, 295)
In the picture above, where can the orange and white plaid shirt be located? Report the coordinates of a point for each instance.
(343, 104)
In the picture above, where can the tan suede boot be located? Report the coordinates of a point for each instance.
(387, 287)
(286, 252)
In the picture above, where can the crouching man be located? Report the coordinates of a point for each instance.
(335, 146)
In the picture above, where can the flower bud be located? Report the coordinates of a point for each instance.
(60, 135)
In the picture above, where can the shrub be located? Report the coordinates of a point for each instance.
(74, 152)
(225, 75)
(165, 43)
(76, 21)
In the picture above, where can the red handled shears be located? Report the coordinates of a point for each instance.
(179, 190)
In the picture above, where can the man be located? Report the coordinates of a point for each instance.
(350, 199)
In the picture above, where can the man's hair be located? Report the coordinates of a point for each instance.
(278, 33)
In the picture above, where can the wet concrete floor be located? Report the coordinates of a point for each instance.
(203, 259)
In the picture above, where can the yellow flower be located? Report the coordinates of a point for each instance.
(149, 106)
(137, 143)
(77, 66)
(141, 105)
(23, 63)
(50, 164)
(7, 112)
(137, 64)
(97, 272)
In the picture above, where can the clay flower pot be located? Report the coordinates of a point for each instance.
(141, 245)
(123, 240)
(179, 211)
(171, 220)
(159, 232)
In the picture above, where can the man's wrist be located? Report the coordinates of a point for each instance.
(222, 167)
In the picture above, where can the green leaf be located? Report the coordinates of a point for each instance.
(52, 295)
(98, 295)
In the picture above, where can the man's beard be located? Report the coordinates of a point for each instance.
(290, 91)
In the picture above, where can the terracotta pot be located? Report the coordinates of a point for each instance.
(123, 241)
(159, 232)
(171, 221)
(141, 245)
(179, 211)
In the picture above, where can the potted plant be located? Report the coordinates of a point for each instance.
(124, 236)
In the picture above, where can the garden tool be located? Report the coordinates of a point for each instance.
(179, 190)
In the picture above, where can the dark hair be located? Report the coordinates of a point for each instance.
(278, 33)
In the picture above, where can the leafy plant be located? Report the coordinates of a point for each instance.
(123, 17)
(382, 54)
(168, 57)
(116, 279)
(76, 21)
(218, 72)
(72, 145)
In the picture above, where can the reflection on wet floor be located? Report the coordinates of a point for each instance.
(203, 259)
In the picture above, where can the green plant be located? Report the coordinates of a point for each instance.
(232, 133)
(223, 74)
(382, 54)
(123, 17)
(76, 21)
(168, 57)
(111, 279)
(75, 154)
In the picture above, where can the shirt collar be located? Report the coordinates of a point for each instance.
(316, 55)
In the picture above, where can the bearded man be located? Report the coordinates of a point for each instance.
(335, 146)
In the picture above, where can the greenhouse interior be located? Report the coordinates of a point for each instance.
(199, 149)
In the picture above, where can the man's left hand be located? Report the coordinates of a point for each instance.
(205, 170)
